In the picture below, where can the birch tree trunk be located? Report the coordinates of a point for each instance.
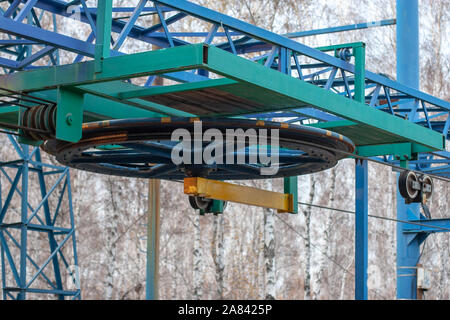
(344, 278)
(444, 252)
(327, 230)
(269, 253)
(111, 230)
(218, 253)
(197, 254)
(269, 248)
(307, 213)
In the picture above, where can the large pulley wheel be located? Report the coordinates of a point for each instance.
(408, 185)
(414, 188)
(143, 148)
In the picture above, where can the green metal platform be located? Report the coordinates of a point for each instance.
(242, 87)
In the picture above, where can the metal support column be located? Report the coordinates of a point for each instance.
(361, 228)
(154, 188)
(103, 32)
(408, 246)
(290, 183)
(408, 43)
(151, 288)
(26, 271)
(361, 190)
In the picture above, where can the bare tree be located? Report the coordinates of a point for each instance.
(269, 253)
(307, 213)
(197, 263)
(218, 252)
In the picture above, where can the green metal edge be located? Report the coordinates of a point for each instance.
(240, 69)
(113, 68)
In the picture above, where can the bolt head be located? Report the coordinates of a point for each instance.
(69, 119)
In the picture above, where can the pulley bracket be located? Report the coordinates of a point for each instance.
(219, 190)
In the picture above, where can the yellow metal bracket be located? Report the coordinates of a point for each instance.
(218, 190)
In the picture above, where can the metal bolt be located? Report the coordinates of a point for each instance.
(69, 119)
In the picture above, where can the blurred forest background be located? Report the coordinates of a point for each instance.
(249, 252)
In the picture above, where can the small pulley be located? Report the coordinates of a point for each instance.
(415, 188)
(207, 205)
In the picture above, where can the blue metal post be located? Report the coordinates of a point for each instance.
(361, 228)
(408, 246)
(151, 288)
(408, 43)
(361, 190)
(408, 250)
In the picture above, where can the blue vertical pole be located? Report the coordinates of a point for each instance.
(23, 227)
(408, 247)
(361, 190)
(361, 228)
(408, 43)
(152, 286)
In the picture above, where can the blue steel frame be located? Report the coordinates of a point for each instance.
(361, 228)
(408, 243)
(20, 272)
(334, 72)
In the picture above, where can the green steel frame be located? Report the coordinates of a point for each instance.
(383, 117)
(74, 81)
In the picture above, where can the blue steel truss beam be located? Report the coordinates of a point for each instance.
(378, 78)
(233, 26)
(351, 27)
(273, 39)
(427, 226)
(18, 280)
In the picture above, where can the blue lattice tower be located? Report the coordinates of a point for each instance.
(37, 230)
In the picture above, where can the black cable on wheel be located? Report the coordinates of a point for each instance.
(405, 185)
(142, 148)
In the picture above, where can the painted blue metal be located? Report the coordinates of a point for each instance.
(408, 245)
(361, 228)
(408, 43)
(127, 9)
(89, 17)
(361, 189)
(408, 250)
(46, 37)
(137, 32)
(428, 226)
(357, 26)
(25, 10)
(17, 277)
(126, 29)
